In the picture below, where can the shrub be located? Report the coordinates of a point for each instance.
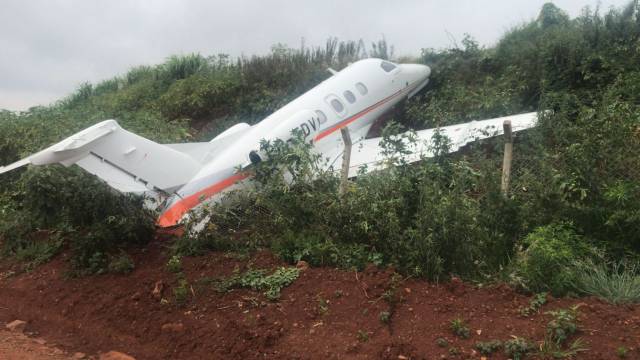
(199, 96)
(518, 348)
(121, 264)
(546, 262)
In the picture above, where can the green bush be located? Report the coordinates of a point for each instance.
(55, 198)
(121, 264)
(546, 262)
(200, 96)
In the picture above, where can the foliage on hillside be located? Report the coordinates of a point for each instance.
(576, 176)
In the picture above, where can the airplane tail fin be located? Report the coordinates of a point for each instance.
(125, 161)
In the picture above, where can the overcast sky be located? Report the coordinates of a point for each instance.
(49, 47)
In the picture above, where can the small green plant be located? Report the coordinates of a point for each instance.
(488, 347)
(385, 317)
(442, 342)
(174, 264)
(181, 292)
(362, 336)
(338, 294)
(390, 295)
(535, 304)
(517, 348)
(550, 349)
(622, 351)
(121, 264)
(271, 285)
(563, 324)
(454, 351)
(460, 328)
(323, 306)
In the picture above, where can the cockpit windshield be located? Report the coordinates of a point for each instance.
(387, 66)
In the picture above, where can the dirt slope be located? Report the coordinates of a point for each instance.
(326, 313)
(16, 346)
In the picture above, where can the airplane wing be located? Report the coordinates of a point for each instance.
(369, 153)
(124, 160)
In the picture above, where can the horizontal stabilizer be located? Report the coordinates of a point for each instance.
(124, 160)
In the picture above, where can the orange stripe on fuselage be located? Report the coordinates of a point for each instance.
(172, 216)
(355, 117)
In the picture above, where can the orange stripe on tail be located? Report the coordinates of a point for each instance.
(172, 216)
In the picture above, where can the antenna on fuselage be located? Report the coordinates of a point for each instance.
(333, 72)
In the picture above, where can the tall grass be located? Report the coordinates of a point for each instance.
(616, 282)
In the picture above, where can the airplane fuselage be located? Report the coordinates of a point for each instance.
(354, 98)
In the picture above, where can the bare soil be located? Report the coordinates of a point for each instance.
(17, 346)
(325, 314)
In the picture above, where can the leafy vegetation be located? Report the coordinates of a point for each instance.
(574, 201)
(563, 324)
(488, 347)
(550, 251)
(536, 302)
(459, 328)
(550, 349)
(517, 348)
(271, 285)
(622, 352)
(122, 264)
(174, 264)
(617, 282)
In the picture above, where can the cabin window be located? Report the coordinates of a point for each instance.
(387, 66)
(349, 96)
(361, 88)
(322, 118)
(337, 105)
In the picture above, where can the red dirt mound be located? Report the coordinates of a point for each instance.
(325, 313)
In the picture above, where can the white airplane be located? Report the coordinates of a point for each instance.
(186, 176)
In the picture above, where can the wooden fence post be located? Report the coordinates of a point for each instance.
(346, 159)
(508, 155)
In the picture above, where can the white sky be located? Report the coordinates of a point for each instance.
(49, 47)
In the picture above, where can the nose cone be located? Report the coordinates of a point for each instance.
(425, 70)
(418, 75)
(418, 72)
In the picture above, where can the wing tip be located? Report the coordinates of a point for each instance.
(15, 165)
